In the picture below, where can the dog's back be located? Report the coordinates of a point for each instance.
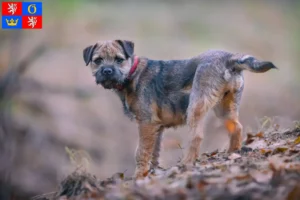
(167, 85)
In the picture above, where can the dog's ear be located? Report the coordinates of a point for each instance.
(88, 53)
(127, 46)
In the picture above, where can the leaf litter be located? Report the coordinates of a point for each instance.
(267, 167)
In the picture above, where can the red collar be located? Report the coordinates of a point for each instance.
(134, 66)
(132, 70)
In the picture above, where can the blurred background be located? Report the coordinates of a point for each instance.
(53, 116)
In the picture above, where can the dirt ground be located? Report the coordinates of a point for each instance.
(267, 167)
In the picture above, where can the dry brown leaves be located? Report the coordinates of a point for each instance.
(270, 170)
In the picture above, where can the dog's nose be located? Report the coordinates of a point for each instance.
(107, 71)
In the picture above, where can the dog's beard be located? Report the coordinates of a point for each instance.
(110, 83)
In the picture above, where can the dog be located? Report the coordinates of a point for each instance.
(159, 94)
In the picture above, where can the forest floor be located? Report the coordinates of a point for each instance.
(267, 167)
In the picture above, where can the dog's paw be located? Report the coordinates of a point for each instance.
(234, 148)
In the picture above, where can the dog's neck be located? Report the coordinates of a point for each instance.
(133, 68)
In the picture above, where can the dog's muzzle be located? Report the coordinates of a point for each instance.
(104, 74)
(107, 77)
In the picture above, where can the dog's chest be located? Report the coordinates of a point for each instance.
(130, 107)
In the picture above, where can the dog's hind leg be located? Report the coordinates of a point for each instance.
(204, 96)
(227, 109)
(195, 120)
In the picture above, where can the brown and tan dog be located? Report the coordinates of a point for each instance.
(161, 94)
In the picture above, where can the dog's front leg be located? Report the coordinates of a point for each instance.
(156, 151)
(147, 141)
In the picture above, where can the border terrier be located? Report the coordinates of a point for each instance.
(159, 94)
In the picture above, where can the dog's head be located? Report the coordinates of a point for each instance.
(110, 61)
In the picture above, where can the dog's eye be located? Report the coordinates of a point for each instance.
(119, 60)
(98, 61)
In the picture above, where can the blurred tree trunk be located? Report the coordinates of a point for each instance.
(7, 142)
(9, 133)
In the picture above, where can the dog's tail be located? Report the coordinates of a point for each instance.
(246, 62)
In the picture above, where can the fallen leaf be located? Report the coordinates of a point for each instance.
(234, 156)
(261, 177)
(260, 135)
(214, 152)
(258, 144)
(221, 167)
(280, 150)
(211, 154)
(242, 177)
(250, 138)
(201, 185)
(293, 151)
(297, 140)
(266, 152)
